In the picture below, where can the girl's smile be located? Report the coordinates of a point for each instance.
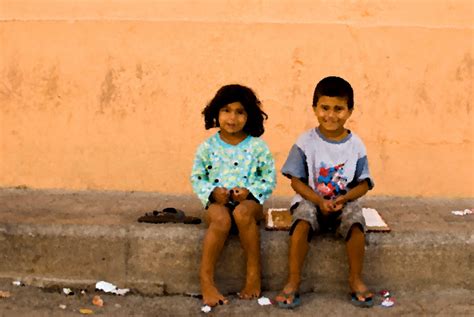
(232, 119)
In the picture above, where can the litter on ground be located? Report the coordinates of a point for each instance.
(263, 301)
(62, 306)
(5, 294)
(17, 283)
(206, 309)
(68, 291)
(388, 302)
(86, 311)
(97, 301)
(462, 212)
(111, 288)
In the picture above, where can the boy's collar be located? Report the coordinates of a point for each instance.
(345, 139)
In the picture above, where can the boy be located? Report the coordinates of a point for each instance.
(329, 171)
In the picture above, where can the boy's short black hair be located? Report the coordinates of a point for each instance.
(333, 86)
(236, 93)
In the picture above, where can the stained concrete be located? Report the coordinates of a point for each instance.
(52, 237)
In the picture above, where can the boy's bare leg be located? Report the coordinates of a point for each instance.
(355, 248)
(246, 215)
(219, 222)
(299, 247)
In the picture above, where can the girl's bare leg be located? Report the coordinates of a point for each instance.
(246, 215)
(219, 222)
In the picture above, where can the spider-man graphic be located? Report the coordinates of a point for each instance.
(331, 181)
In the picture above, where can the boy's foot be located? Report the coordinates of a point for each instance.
(287, 295)
(212, 297)
(359, 290)
(288, 300)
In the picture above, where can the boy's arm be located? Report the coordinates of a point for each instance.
(356, 192)
(326, 206)
(305, 191)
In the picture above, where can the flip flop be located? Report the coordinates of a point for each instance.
(285, 304)
(167, 215)
(362, 299)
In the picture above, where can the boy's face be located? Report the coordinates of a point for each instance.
(332, 113)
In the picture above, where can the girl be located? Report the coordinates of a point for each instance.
(233, 174)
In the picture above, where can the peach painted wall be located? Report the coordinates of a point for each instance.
(107, 94)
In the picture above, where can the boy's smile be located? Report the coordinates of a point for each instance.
(232, 118)
(332, 114)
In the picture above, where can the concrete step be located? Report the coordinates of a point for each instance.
(55, 238)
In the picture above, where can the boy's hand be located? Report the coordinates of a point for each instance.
(327, 206)
(339, 203)
(239, 193)
(221, 195)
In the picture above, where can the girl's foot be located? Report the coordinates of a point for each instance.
(212, 297)
(252, 289)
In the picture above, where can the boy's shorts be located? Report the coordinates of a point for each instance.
(339, 222)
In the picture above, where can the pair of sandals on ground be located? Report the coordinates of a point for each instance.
(291, 300)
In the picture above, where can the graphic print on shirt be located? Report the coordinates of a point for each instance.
(331, 181)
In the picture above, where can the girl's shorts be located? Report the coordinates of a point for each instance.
(339, 222)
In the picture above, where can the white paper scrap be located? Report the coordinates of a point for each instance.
(263, 301)
(111, 288)
(270, 219)
(462, 212)
(372, 218)
(206, 309)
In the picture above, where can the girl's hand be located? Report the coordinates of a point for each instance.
(221, 195)
(239, 193)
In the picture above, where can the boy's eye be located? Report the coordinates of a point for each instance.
(325, 108)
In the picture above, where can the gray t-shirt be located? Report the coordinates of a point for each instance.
(329, 167)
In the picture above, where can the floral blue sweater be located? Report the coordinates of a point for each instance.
(248, 164)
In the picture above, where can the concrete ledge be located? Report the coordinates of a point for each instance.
(159, 259)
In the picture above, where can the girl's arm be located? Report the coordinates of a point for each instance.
(199, 176)
(263, 181)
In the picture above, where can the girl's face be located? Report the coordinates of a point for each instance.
(232, 118)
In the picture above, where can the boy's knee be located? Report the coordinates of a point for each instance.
(355, 229)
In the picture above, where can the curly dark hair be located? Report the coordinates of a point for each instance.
(333, 86)
(236, 93)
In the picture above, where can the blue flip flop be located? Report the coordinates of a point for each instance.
(294, 303)
(367, 300)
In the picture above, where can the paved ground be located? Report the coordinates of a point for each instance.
(31, 301)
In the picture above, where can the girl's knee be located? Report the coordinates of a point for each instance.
(219, 218)
(243, 214)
